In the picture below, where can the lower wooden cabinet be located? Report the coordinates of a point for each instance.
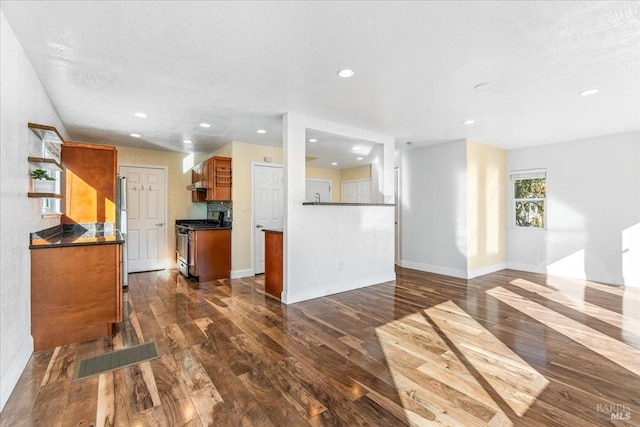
(76, 293)
(210, 254)
(273, 263)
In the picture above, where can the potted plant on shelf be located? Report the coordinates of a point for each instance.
(42, 182)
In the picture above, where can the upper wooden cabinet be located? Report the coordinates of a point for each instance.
(199, 180)
(219, 179)
(213, 177)
(89, 182)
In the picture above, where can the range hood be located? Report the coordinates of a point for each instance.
(197, 186)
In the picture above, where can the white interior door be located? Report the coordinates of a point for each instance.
(356, 191)
(318, 189)
(267, 207)
(146, 223)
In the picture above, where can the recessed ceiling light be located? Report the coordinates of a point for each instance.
(346, 73)
(588, 92)
(313, 140)
(482, 86)
(205, 125)
(334, 164)
(355, 148)
(261, 131)
(135, 135)
(359, 158)
(141, 115)
(188, 141)
(468, 122)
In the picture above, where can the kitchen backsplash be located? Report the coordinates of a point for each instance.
(220, 207)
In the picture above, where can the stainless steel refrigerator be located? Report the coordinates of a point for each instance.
(121, 222)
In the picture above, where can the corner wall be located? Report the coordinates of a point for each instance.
(23, 100)
(486, 208)
(592, 209)
(434, 209)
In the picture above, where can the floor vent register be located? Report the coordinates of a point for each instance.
(116, 360)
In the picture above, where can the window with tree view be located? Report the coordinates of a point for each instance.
(530, 193)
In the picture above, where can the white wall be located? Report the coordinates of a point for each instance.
(318, 238)
(23, 100)
(593, 203)
(434, 209)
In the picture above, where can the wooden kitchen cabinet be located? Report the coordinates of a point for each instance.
(219, 179)
(273, 262)
(210, 254)
(89, 182)
(198, 178)
(76, 293)
(213, 176)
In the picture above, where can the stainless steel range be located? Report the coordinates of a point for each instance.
(185, 229)
(182, 249)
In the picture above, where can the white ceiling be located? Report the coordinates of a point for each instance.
(240, 65)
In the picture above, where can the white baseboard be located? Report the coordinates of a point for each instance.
(289, 298)
(486, 270)
(239, 274)
(437, 269)
(531, 268)
(12, 375)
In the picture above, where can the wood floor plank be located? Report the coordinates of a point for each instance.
(238, 400)
(112, 408)
(82, 403)
(61, 365)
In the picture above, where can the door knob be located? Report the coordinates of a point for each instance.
(259, 226)
(160, 225)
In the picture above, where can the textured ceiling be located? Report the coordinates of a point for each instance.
(240, 65)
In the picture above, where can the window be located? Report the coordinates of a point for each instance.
(529, 198)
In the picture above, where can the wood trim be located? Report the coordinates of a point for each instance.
(46, 164)
(87, 145)
(45, 195)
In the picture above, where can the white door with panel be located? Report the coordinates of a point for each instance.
(268, 189)
(146, 222)
(356, 191)
(318, 190)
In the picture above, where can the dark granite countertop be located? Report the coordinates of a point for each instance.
(203, 224)
(66, 235)
(345, 204)
(273, 230)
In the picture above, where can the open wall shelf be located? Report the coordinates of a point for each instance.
(46, 133)
(45, 195)
(46, 164)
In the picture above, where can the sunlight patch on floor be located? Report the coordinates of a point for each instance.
(625, 323)
(614, 350)
(517, 383)
(436, 387)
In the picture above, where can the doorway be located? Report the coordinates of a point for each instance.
(146, 238)
(318, 190)
(268, 207)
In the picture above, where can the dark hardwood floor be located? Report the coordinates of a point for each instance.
(509, 348)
